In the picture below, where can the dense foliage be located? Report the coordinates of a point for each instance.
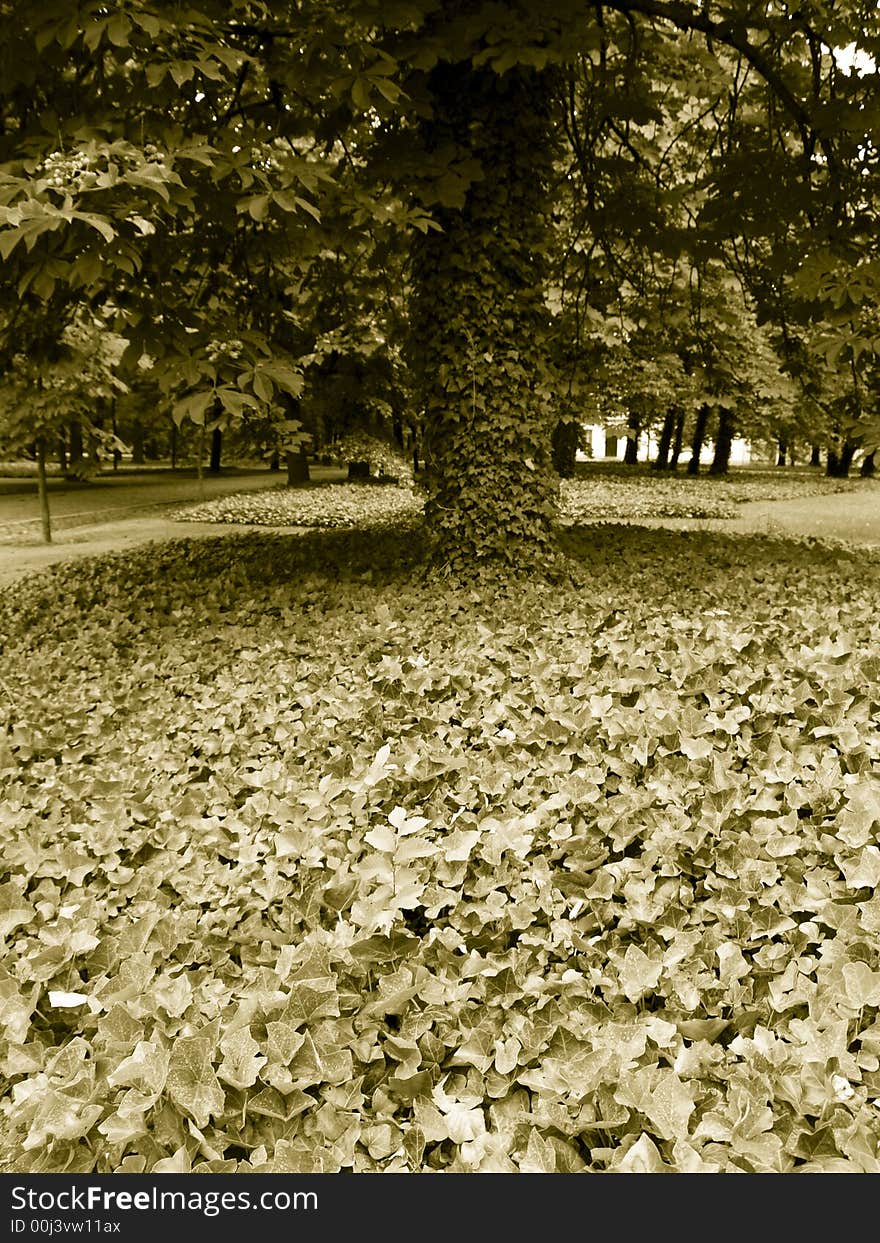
(308, 867)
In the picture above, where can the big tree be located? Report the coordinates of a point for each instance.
(454, 107)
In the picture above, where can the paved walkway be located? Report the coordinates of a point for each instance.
(849, 516)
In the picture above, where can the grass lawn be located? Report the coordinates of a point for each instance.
(312, 866)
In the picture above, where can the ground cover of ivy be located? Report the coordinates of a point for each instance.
(312, 866)
(596, 497)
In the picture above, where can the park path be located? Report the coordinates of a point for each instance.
(849, 516)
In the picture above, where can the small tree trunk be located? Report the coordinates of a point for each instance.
(297, 467)
(200, 460)
(698, 439)
(815, 455)
(662, 459)
(43, 492)
(216, 450)
(631, 452)
(869, 465)
(676, 442)
(723, 441)
(275, 461)
(62, 454)
(782, 451)
(173, 445)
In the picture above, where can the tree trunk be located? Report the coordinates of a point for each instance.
(478, 320)
(698, 438)
(566, 438)
(815, 455)
(43, 492)
(200, 462)
(677, 439)
(723, 442)
(75, 455)
(62, 453)
(782, 451)
(840, 462)
(216, 450)
(869, 465)
(137, 443)
(297, 467)
(275, 461)
(662, 459)
(631, 452)
(173, 445)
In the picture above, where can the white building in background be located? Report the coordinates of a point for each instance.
(605, 445)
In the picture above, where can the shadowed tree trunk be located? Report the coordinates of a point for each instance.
(869, 466)
(566, 438)
(297, 467)
(137, 443)
(75, 454)
(782, 452)
(840, 462)
(676, 440)
(173, 445)
(662, 459)
(478, 319)
(698, 439)
(216, 450)
(723, 442)
(815, 455)
(631, 452)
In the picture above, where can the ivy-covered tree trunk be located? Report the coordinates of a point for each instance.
(478, 323)
(698, 438)
(723, 442)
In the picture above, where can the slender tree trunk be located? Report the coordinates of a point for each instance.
(62, 453)
(478, 320)
(869, 465)
(676, 440)
(698, 438)
(43, 491)
(782, 451)
(723, 442)
(662, 459)
(173, 445)
(216, 450)
(815, 455)
(200, 462)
